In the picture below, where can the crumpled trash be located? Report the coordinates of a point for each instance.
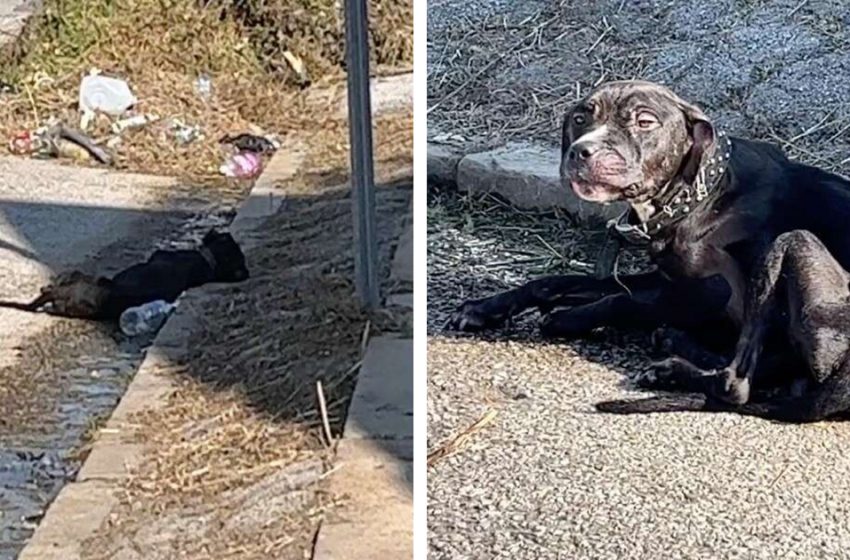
(203, 87)
(135, 121)
(58, 140)
(243, 165)
(184, 133)
(251, 143)
(297, 64)
(21, 143)
(106, 95)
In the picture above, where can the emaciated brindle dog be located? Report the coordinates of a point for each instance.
(165, 275)
(744, 241)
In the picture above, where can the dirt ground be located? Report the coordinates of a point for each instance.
(776, 70)
(243, 48)
(246, 408)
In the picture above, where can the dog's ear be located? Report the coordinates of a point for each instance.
(699, 125)
(702, 134)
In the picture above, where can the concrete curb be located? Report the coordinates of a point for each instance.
(84, 504)
(375, 456)
(527, 175)
(13, 17)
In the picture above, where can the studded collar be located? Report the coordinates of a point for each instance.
(674, 205)
(679, 200)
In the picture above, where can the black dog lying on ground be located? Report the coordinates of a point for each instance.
(745, 242)
(165, 276)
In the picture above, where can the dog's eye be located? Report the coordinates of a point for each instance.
(646, 121)
(579, 119)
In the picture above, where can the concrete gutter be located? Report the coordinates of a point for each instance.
(13, 16)
(375, 456)
(84, 504)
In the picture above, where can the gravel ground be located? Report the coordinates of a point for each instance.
(549, 477)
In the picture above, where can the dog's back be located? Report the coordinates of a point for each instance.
(165, 275)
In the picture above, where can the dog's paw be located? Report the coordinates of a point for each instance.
(474, 316)
(662, 374)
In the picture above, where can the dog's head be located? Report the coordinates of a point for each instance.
(627, 140)
(229, 259)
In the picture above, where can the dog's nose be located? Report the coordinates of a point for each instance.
(582, 151)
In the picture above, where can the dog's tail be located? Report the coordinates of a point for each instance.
(830, 399)
(658, 404)
(32, 306)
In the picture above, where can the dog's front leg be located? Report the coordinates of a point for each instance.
(545, 294)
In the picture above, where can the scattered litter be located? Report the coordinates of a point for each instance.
(243, 165)
(65, 149)
(203, 87)
(57, 140)
(184, 133)
(147, 318)
(251, 143)
(106, 95)
(297, 65)
(133, 122)
(21, 143)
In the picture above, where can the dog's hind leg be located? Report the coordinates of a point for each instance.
(800, 276)
(827, 399)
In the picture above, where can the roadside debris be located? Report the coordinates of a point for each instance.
(21, 143)
(135, 121)
(244, 165)
(250, 143)
(58, 140)
(297, 65)
(144, 319)
(105, 95)
(203, 87)
(184, 133)
(55, 139)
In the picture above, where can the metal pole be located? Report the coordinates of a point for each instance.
(362, 171)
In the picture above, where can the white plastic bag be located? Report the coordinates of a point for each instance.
(106, 95)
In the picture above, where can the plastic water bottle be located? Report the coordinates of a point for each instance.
(145, 318)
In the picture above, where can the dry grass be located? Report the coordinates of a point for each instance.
(161, 46)
(247, 407)
(459, 441)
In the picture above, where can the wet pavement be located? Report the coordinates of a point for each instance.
(35, 466)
